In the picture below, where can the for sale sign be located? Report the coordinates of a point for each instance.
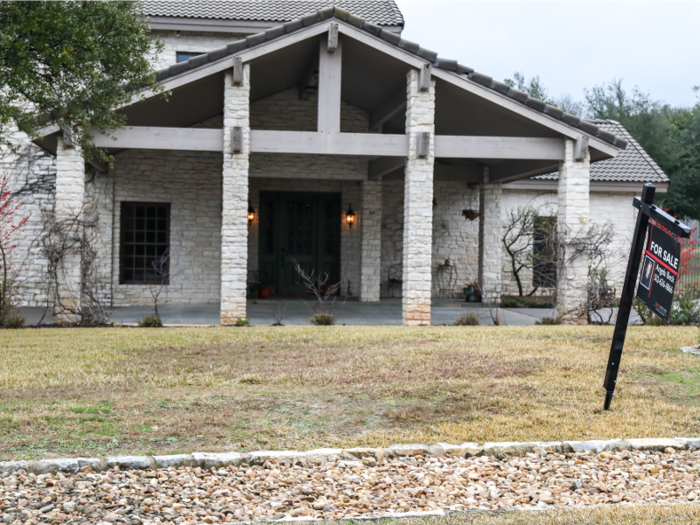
(659, 272)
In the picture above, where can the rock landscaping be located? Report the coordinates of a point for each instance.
(334, 483)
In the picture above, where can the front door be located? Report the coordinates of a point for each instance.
(301, 228)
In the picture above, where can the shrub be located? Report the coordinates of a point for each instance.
(323, 319)
(549, 320)
(151, 321)
(12, 320)
(467, 319)
(526, 301)
(242, 321)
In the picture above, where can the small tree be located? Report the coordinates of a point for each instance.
(320, 286)
(11, 223)
(518, 242)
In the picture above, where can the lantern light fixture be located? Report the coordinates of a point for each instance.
(350, 216)
(251, 213)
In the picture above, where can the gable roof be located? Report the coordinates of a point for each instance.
(394, 39)
(380, 12)
(631, 165)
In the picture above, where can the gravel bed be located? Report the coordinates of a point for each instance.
(372, 486)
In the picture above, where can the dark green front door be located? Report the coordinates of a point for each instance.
(301, 228)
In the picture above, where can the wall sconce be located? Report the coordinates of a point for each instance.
(251, 213)
(470, 214)
(350, 216)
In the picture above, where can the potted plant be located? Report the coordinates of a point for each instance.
(253, 291)
(472, 293)
(264, 291)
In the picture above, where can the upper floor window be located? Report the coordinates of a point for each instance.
(183, 56)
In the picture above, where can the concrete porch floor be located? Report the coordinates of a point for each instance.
(261, 312)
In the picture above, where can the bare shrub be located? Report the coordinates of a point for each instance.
(320, 286)
(323, 319)
(467, 319)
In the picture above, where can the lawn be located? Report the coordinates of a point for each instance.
(69, 392)
(605, 515)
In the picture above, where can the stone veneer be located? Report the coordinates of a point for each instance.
(234, 225)
(490, 245)
(572, 220)
(371, 224)
(189, 42)
(418, 204)
(70, 194)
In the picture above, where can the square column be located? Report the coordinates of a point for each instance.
(490, 242)
(371, 224)
(572, 223)
(70, 196)
(234, 219)
(418, 201)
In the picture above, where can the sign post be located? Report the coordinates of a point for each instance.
(662, 260)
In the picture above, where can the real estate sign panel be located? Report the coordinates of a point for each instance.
(660, 267)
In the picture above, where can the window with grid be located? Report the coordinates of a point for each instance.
(145, 239)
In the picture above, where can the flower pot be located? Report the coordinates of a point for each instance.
(264, 293)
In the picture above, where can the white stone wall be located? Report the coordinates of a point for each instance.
(490, 245)
(191, 183)
(31, 176)
(418, 204)
(174, 41)
(371, 224)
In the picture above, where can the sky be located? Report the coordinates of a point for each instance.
(571, 45)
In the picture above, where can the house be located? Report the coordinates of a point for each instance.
(311, 133)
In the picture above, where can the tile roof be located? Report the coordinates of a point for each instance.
(380, 12)
(631, 165)
(395, 39)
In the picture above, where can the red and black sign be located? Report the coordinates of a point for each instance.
(659, 272)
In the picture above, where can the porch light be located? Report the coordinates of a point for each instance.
(251, 213)
(350, 216)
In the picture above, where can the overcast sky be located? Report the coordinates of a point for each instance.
(570, 45)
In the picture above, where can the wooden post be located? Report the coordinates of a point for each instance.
(329, 78)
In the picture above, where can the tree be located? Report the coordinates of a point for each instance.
(670, 135)
(69, 64)
(535, 89)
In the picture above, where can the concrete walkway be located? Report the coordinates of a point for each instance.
(297, 312)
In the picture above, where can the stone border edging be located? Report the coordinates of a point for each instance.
(346, 456)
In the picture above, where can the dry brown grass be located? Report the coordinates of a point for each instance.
(102, 391)
(637, 515)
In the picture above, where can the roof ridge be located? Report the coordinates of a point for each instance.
(397, 40)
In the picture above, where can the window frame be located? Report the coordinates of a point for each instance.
(122, 241)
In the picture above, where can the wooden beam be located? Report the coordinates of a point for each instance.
(422, 144)
(237, 139)
(471, 147)
(426, 73)
(309, 142)
(512, 171)
(309, 78)
(333, 37)
(581, 148)
(395, 103)
(383, 165)
(329, 78)
(237, 78)
(191, 139)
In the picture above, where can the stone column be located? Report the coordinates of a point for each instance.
(490, 245)
(234, 220)
(371, 224)
(418, 203)
(572, 221)
(70, 196)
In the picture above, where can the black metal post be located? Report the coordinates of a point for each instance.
(623, 312)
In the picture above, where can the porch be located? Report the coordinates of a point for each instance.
(419, 147)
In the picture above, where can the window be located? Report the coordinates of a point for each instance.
(184, 56)
(544, 270)
(145, 240)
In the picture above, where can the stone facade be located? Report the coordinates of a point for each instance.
(418, 204)
(234, 227)
(490, 245)
(189, 42)
(371, 224)
(572, 220)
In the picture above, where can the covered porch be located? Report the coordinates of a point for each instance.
(312, 120)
